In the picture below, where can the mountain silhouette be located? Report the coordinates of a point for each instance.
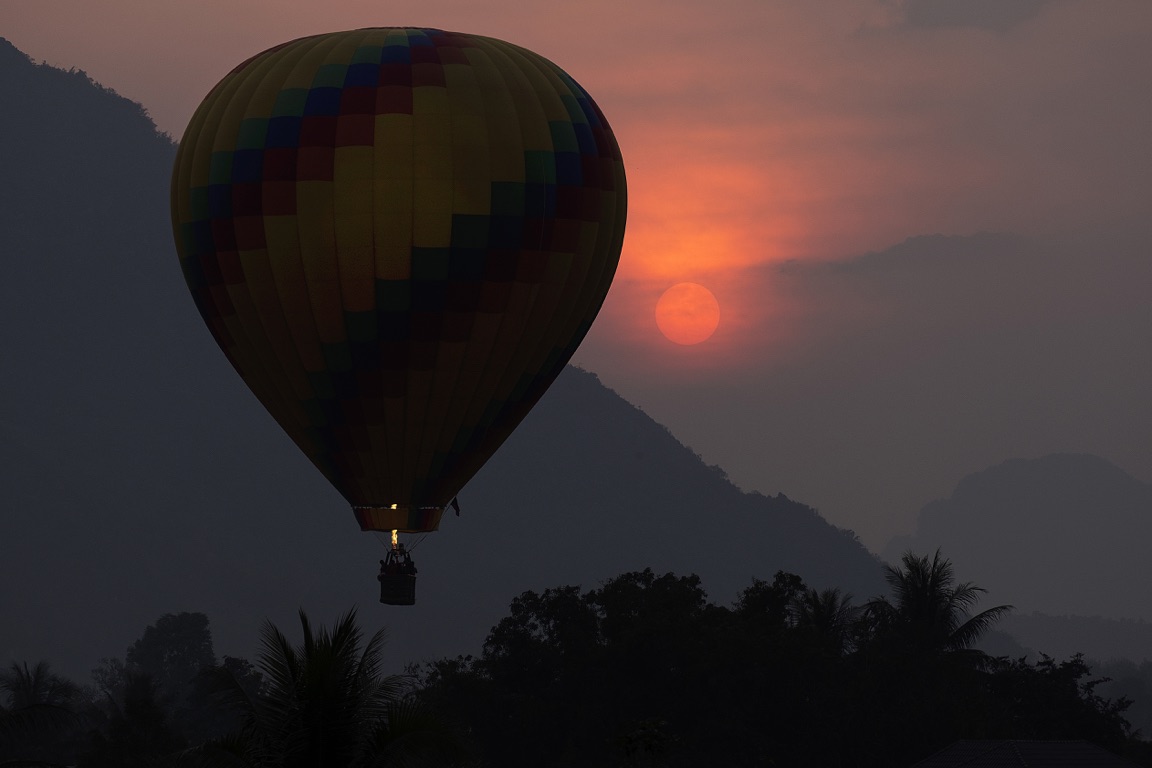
(1060, 534)
(141, 478)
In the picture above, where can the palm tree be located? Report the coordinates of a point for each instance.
(38, 711)
(927, 683)
(325, 704)
(827, 616)
(931, 613)
(36, 686)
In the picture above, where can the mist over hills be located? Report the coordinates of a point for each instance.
(904, 369)
(141, 478)
(1060, 534)
(1097, 638)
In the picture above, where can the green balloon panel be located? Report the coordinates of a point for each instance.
(398, 237)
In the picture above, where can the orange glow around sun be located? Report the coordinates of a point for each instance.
(687, 313)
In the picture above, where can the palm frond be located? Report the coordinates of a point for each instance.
(232, 751)
(24, 722)
(966, 595)
(972, 629)
(30, 686)
(413, 736)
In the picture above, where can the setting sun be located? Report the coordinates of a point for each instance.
(687, 313)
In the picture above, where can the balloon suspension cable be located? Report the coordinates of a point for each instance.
(418, 542)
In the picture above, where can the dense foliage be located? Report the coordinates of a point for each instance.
(645, 671)
(641, 671)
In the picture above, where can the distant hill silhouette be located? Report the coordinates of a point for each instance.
(942, 355)
(139, 477)
(1061, 534)
(1095, 637)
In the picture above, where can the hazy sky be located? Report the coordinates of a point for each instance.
(761, 136)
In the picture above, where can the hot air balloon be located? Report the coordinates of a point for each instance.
(398, 237)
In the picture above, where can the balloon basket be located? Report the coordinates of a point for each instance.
(397, 589)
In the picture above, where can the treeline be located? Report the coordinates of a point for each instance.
(153, 703)
(646, 671)
(642, 671)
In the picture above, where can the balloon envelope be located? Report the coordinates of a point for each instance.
(398, 237)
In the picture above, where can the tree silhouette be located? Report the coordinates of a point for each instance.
(39, 713)
(931, 612)
(644, 671)
(134, 728)
(930, 683)
(325, 702)
(827, 618)
(1050, 699)
(173, 651)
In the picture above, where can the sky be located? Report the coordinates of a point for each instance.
(777, 152)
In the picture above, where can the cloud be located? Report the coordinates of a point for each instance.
(985, 14)
(767, 130)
